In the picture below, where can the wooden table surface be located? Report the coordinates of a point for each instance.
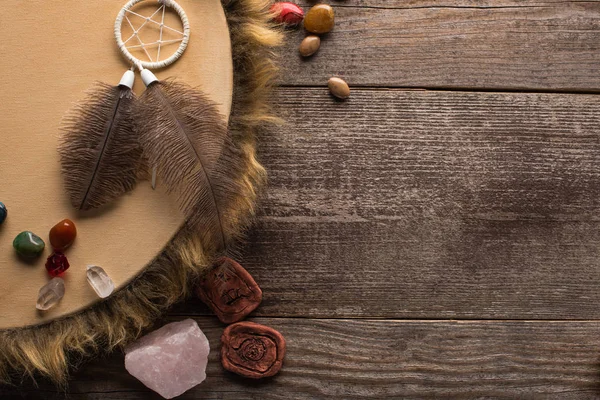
(438, 234)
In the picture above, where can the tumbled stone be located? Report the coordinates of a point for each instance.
(99, 281)
(310, 45)
(57, 263)
(63, 234)
(339, 88)
(252, 350)
(170, 360)
(230, 291)
(28, 244)
(50, 294)
(319, 19)
(287, 13)
(3, 212)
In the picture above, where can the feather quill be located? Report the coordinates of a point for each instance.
(99, 150)
(187, 139)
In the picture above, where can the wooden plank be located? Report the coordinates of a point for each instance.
(394, 359)
(506, 44)
(418, 204)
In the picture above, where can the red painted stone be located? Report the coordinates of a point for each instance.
(287, 13)
(63, 234)
(56, 264)
(252, 350)
(230, 291)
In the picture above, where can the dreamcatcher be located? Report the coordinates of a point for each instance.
(172, 132)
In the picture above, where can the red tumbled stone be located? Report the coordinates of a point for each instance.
(230, 291)
(57, 263)
(63, 234)
(287, 13)
(252, 350)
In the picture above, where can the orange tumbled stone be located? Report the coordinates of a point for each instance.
(63, 234)
(319, 19)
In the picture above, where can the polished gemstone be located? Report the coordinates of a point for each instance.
(287, 13)
(3, 212)
(63, 234)
(99, 281)
(28, 244)
(50, 294)
(170, 360)
(310, 45)
(252, 350)
(57, 263)
(339, 88)
(319, 19)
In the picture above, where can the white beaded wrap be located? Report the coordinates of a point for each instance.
(153, 64)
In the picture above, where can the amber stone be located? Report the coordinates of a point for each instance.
(339, 88)
(63, 234)
(230, 291)
(252, 350)
(309, 46)
(319, 19)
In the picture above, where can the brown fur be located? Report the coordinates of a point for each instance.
(51, 349)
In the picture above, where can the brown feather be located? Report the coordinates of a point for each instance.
(186, 138)
(99, 149)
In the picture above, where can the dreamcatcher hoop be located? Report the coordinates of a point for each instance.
(122, 16)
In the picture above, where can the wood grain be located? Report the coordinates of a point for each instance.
(354, 359)
(428, 205)
(419, 204)
(506, 44)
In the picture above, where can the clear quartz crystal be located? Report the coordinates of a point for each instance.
(50, 294)
(100, 281)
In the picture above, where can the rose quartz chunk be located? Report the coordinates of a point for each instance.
(170, 360)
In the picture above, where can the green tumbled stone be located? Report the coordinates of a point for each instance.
(28, 244)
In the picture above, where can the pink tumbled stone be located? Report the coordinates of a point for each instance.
(170, 360)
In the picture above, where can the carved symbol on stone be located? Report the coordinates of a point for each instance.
(252, 350)
(230, 291)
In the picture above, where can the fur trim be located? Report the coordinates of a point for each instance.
(52, 349)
